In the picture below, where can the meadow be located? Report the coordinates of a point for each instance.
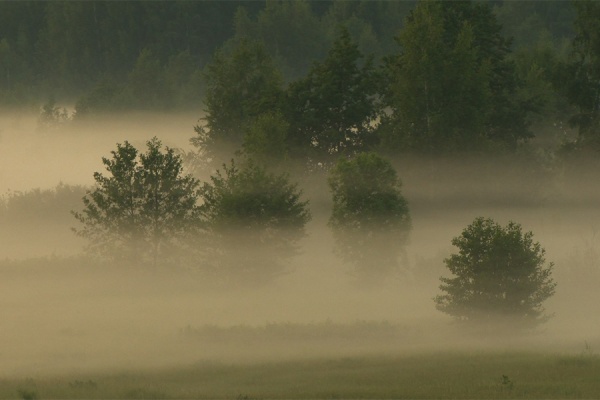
(447, 375)
(74, 329)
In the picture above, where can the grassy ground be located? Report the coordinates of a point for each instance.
(440, 375)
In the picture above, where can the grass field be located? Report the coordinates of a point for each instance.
(435, 375)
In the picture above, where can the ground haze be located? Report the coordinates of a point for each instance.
(67, 316)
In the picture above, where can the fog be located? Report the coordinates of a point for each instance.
(73, 317)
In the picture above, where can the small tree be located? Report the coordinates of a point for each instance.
(143, 210)
(500, 274)
(370, 218)
(256, 219)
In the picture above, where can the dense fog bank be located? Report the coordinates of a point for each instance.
(68, 314)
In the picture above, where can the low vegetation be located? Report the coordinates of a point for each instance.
(437, 375)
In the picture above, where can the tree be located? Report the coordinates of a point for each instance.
(583, 84)
(145, 86)
(266, 140)
(452, 86)
(241, 84)
(291, 32)
(333, 109)
(256, 219)
(370, 218)
(143, 210)
(500, 275)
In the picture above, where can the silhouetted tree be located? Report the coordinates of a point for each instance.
(256, 219)
(143, 210)
(500, 276)
(370, 218)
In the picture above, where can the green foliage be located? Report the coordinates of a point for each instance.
(500, 276)
(143, 209)
(332, 109)
(266, 140)
(583, 85)
(241, 84)
(145, 87)
(256, 218)
(291, 32)
(104, 97)
(452, 86)
(370, 217)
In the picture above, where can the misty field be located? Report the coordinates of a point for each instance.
(74, 329)
(430, 375)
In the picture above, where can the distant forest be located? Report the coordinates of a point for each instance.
(66, 49)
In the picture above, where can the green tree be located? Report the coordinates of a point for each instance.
(332, 110)
(266, 140)
(583, 87)
(143, 210)
(256, 219)
(242, 83)
(370, 218)
(452, 86)
(500, 276)
(291, 32)
(145, 86)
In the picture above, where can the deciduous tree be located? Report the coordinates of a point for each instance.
(370, 218)
(332, 109)
(242, 83)
(256, 219)
(143, 209)
(500, 275)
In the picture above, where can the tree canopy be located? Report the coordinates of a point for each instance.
(500, 276)
(370, 217)
(143, 209)
(243, 83)
(256, 219)
(452, 85)
(333, 108)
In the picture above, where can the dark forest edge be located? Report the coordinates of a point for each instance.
(483, 84)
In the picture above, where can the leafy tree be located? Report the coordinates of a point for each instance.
(241, 84)
(266, 140)
(143, 210)
(500, 275)
(256, 218)
(584, 74)
(452, 86)
(370, 218)
(333, 109)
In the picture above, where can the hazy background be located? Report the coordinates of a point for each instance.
(68, 316)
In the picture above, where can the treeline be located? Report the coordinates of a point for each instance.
(150, 55)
